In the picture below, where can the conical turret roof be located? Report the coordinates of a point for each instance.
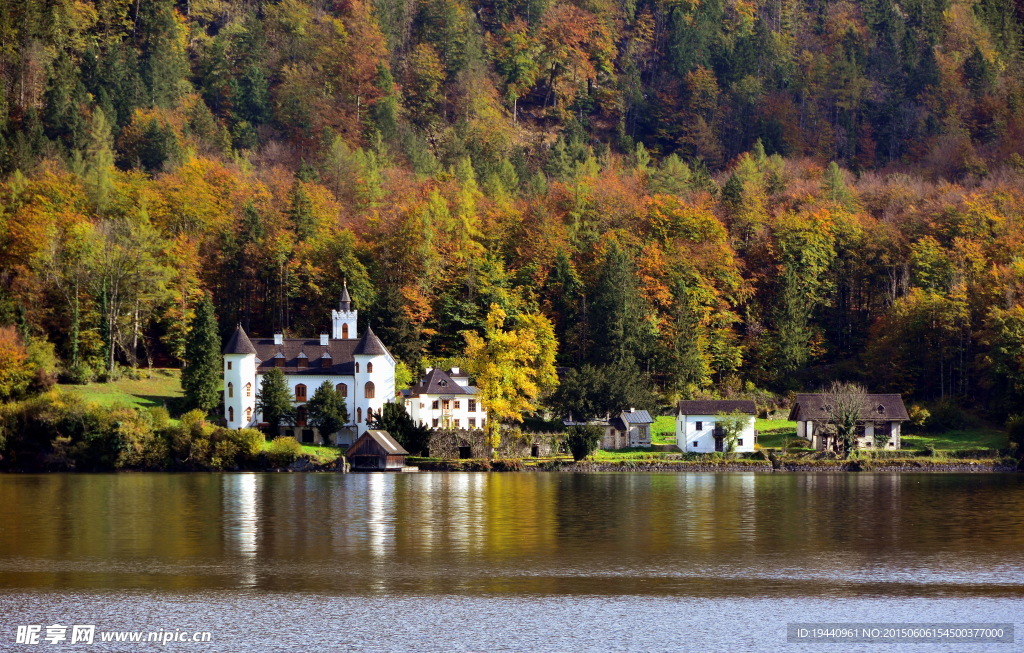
(370, 345)
(239, 343)
(346, 302)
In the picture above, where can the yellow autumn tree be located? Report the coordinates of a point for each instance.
(512, 367)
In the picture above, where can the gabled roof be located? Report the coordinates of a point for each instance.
(885, 407)
(370, 345)
(437, 382)
(715, 406)
(637, 417)
(365, 444)
(239, 343)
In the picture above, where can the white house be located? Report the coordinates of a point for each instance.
(361, 368)
(445, 400)
(881, 414)
(697, 427)
(630, 428)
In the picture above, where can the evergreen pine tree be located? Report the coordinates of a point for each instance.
(327, 410)
(274, 400)
(396, 421)
(201, 377)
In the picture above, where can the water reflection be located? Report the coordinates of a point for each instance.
(512, 534)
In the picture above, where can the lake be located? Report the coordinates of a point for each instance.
(508, 562)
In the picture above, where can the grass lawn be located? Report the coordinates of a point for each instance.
(158, 387)
(976, 438)
(326, 454)
(663, 431)
(773, 433)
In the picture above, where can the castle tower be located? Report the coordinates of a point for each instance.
(343, 320)
(239, 380)
(374, 379)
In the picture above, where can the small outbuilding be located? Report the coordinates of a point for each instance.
(376, 451)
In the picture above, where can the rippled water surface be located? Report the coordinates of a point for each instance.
(545, 561)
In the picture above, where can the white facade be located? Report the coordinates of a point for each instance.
(361, 368)
(445, 401)
(696, 433)
(240, 388)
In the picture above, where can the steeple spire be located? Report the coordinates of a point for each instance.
(346, 302)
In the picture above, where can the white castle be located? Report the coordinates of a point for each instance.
(361, 369)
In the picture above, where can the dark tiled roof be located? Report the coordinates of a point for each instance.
(341, 361)
(715, 406)
(370, 345)
(877, 407)
(239, 343)
(384, 441)
(437, 382)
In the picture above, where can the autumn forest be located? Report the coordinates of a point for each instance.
(704, 197)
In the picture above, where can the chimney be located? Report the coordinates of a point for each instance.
(323, 339)
(278, 338)
(429, 370)
(455, 371)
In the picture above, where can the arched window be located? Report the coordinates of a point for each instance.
(231, 390)
(359, 415)
(342, 389)
(300, 392)
(248, 389)
(357, 367)
(369, 415)
(248, 415)
(344, 331)
(369, 391)
(231, 413)
(369, 368)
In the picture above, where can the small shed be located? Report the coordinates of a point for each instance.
(376, 450)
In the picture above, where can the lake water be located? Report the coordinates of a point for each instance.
(508, 562)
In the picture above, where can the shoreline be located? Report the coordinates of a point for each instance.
(507, 466)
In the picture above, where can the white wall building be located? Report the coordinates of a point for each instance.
(361, 368)
(697, 427)
(445, 400)
(881, 415)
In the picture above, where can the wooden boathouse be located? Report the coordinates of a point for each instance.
(376, 450)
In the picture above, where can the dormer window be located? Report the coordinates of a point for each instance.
(325, 360)
(442, 383)
(303, 360)
(880, 409)
(279, 359)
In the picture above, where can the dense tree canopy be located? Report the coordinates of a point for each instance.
(696, 196)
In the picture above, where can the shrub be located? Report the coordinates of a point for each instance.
(140, 445)
(919, 416)
(233, 448)
(507, 465)
(190, 440)
(582, 440)
(1015, 429)
(974, 454)
(283, 451)
(947, 416)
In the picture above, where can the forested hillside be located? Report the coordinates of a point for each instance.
(701, 195)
